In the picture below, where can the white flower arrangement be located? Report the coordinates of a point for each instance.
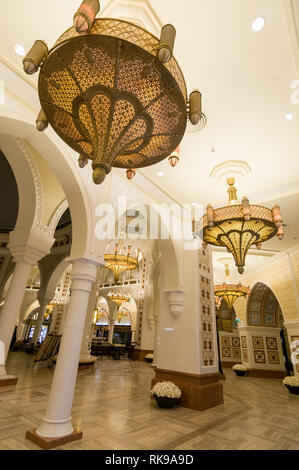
(292, 381)
(149, 356)
(166, 389)
(240, 367)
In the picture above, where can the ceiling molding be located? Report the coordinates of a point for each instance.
(291, 8)
(230, 168)
(134, 11)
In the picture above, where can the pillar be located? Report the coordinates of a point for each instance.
(56, 427)
(44, 299)
(111, 330)
(25, 257)
(86, 340)
(187, 342)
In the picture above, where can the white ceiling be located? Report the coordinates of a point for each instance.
(245, 78)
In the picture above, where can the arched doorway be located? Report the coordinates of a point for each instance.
(264, 311)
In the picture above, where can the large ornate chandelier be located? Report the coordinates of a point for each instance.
(119, 297)
(113, 92)
(239, 226)
(122, 260)
(230, 292)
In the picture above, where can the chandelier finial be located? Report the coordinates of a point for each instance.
(232, 192)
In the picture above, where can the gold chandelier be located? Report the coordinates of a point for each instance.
(121, 260)
(230, 292)
(113, 92)
(119, 297)
(239, 226)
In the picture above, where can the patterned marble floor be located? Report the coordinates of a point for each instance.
(113, 409)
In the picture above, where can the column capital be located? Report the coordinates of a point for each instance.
(84, 273)
(30, 245)
(26, 253)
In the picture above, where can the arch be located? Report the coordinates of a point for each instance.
(131, 309)
(57, 215)
(57, 155)
(263, 307)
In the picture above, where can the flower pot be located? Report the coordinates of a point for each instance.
(240, 373)
(165, 402)
(294, 390)
(149, 360)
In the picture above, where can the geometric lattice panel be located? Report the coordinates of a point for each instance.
(271, 344)
(245, 355)
(225, 341)
(244, 342)
(208, 353)
(273, 357)
(226, 352)
(258, 342)
(259, 357)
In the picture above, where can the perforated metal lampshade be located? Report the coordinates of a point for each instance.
(110, 98)
(238, 227)
(230, 292)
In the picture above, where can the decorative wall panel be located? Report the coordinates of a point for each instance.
(245, 356)
(273, 357)
(244, 342)
(258, 342)
(259, 357)
(226, 352)
(271, 344)
(236, 342)
(208, 316)
(225, 341)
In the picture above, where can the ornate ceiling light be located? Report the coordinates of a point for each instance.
(121, 260)
(113, 92)
(230, 292)
(119, 297)
(239, 226)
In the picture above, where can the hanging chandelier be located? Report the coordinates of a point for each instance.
(237, 226)
(119, 297)
(230, 292)
(113, 92)
(122, 260)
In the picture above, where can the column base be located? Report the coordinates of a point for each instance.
(267, 373)
(139, 354)
(51, 442)
(199, 392)
(8, 380)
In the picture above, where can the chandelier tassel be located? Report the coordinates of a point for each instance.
(83, 161)
(277, 218)
(35, 57)
(195, 103)
(167, 38)
(280, 233)
(246, 209)
(41, 121)
(85, 15)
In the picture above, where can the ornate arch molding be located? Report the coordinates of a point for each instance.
(258, 311)
(57, 215)
(37, 221)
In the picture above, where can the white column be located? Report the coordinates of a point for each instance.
(111, 331)
(44, 300)
(57, 421)
(85, 346)
(13, 304)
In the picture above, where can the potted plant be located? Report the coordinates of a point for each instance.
(166, 394)
(240, 370)
(149, 357)
(292, 384)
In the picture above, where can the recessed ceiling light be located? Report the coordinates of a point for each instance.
(258, 24)
(288, 117)
(20, 49)
(160, 173)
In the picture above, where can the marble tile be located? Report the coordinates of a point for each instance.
(113, 408)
